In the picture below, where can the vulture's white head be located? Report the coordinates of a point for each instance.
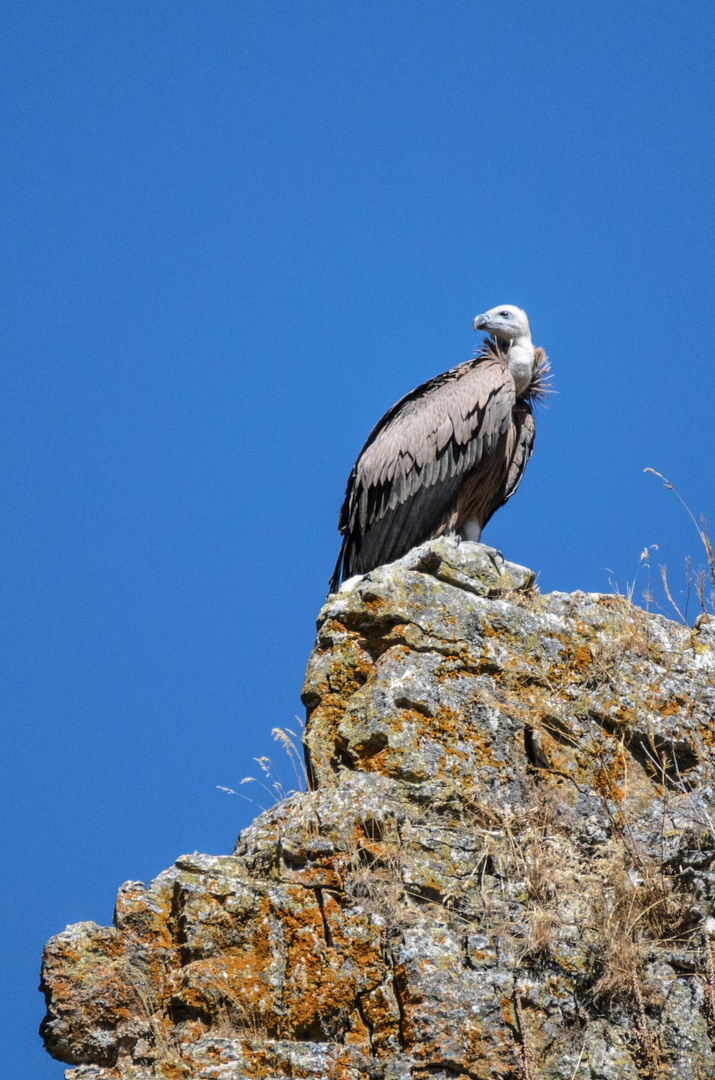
(510, 327)
(508, 323)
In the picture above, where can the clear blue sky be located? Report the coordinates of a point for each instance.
(234, 234)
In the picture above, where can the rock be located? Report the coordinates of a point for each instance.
(504, 866)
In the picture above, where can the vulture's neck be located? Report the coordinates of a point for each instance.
(520, 361)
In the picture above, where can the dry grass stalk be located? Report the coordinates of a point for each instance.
(704, 535)
(646, 1036)
(666, 590)
(273, 785)
(526, 1055)
(580, 1059)
(710, 984)
(167, 1048)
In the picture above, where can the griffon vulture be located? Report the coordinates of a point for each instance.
(448, 454)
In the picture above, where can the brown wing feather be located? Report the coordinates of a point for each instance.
(486, 490)
(415, 459)
(523, 418)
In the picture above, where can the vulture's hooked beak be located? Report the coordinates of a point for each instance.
(481, 322)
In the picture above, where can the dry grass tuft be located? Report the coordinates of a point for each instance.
(271, 783)
(374, 881)
(617, 910)
(163, 1045)
(703, 581)
(233, 1018)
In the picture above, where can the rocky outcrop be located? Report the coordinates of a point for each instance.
(504, 867)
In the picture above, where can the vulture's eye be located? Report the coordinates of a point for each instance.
(505, 314)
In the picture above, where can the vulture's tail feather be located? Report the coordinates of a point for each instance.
(334, 584)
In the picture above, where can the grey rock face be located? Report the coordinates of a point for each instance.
(504, 867)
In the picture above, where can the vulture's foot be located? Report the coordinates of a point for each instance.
(496, 558)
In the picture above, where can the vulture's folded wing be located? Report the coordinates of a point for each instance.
(524, 432)
(415, 459)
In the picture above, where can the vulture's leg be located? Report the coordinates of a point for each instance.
(471, 530)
